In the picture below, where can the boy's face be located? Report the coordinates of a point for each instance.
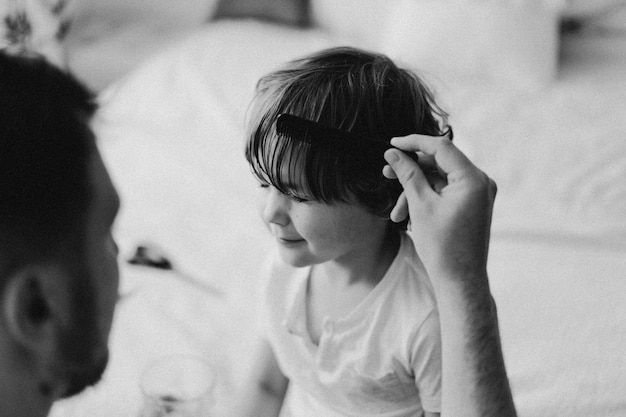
(312, 232)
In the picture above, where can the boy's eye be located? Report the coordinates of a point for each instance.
(263, 185)
(297, 199)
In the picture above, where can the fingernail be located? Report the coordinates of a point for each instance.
(391, 156)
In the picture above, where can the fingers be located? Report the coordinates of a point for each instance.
(448, 157)
(407, 172)
(436, 181)
(388, 173)
(425, 162)
(400, 210)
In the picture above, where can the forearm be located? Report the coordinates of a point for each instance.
(475, 382)
(453, 223)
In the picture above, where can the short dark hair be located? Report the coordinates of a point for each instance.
(46, 145)
(346, 88)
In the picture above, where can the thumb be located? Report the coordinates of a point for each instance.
(408, 172)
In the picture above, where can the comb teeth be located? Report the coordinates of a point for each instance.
(313, 133)
(308, 131)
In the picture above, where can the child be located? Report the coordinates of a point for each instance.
(349, 316)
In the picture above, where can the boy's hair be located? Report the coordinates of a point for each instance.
(348, 89)
(46, 146)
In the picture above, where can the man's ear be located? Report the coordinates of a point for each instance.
(35, 306)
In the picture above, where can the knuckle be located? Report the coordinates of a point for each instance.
(481, 183)
(443, 141)
(406, 176)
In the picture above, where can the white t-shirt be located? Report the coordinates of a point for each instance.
(383, 359)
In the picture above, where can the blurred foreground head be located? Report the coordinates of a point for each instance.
(58, 261)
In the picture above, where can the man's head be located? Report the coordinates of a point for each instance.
(349, 89)
(58, 267)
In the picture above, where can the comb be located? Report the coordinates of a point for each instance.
(310, 132)
(297, 128)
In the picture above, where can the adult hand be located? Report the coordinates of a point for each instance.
(449, 201)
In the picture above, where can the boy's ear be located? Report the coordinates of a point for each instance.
(34, 307)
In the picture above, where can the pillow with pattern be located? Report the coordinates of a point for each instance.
(289, 12)
(35, 27)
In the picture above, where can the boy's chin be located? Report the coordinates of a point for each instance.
(296, 260)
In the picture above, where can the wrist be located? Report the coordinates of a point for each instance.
(455, 271)
(464, 294)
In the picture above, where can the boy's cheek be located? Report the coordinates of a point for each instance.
(261, 200)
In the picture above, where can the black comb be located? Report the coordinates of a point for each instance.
(295, 127)
(312, 132)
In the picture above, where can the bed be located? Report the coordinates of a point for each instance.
(551, 133)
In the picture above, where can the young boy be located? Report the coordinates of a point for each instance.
(349, 316)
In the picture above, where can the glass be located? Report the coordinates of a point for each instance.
(177, 386)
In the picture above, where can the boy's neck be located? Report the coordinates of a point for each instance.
(337, 287)
(365, 268)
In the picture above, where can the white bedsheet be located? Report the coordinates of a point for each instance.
(172, 134)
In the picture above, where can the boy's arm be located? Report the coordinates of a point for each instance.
(264, 390)
(452, 226)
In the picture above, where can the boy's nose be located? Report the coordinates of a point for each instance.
(275, 209)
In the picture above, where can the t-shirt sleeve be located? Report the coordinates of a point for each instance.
(426, 362)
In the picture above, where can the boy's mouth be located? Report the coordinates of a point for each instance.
(288, 241)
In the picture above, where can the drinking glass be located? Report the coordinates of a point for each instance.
(177, 386)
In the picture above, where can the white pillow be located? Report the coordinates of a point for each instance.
(511, 41)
